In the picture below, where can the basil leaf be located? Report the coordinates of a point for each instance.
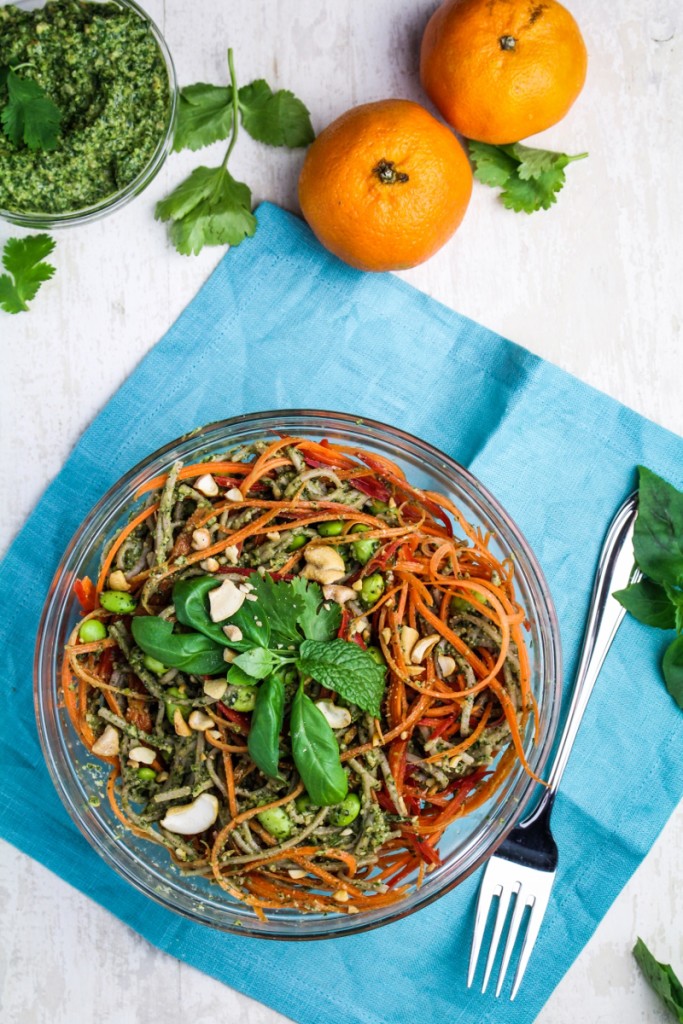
(675, 595)
(672, 666)
(658, 533)
(661, 978)
(191, 601)
(318, 619)
(266, 725)
(343, 667)
(257, 662)
(238, 677)
(316, 753)
(648, 603)
(191, 652)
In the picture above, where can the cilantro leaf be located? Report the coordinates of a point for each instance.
(204, 116)
(661, 978)
(208, 208)
(276, 118)
(344, 667)
(29, 116)
(648, 603)
(530, 178)
(22, 258)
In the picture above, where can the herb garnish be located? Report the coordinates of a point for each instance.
(28, 115)
(23, 258)
(210, 207)
(661, 978)
(286, 628)
(530, 178)
(658, 549)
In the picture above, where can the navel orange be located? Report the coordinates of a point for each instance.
(385, 185)
(501, 70)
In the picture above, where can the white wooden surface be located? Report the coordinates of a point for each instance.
(593, 285)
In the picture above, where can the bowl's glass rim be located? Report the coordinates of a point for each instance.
(311, 928)
(111, 203)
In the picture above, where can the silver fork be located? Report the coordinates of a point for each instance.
(525, 863)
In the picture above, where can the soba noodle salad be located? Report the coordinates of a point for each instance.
(301, 669)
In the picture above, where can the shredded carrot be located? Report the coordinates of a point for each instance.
(125, 532)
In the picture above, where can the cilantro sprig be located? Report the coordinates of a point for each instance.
(211, 207)
(23, 259)
(530, 178)
(657, 600)
(28, 115)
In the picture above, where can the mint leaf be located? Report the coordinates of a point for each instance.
(204, 116)
(343, 667)
(658, 534)
(29, 116)
(319, 619)
(648, 603)
(23, 259)
(276, 118)
(530, 178)
(672, 667)
(208, 208)
(661, 978)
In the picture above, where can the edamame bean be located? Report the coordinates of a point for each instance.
(332, 529)
(372, 589)
(91, 631)
(146, 774)
(118, 601)
(305, 805)
(377, 506)
(241, 698)
(277, 822)
(171, 708)
(297, 541)
(154, 665)
(347, 811)
(376, 656)
(461, 604)
(363, 550)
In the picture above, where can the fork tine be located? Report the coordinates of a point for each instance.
(503, 906)
(538, 910)
(516, 920)
(488, 889)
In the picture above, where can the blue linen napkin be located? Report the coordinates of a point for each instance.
(281, 323)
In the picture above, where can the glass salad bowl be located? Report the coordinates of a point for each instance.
(467, 842)
(122, 196)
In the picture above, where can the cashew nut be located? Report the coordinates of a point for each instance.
(215, 688)
(232, 554)
(206, 485)
(190, 819)
(339, 594)
(446, 665)
(200, 722)
(180, 725)
(409, 638)
(201, 539)
(336, 717)
(224, 601)
(423, 647)
(118, 581)
(234, 494)
(107, 745)
(143, 755)
(324, 564)
(209, 565)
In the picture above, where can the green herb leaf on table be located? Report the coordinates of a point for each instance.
(190, 652)
(344, 667)
(316, 752)
(23, 259)
(276, 118)
(530, 178)
(658, 535)
(208, 208)
(266, 725)
(204, 116)
(661, 978)
(672, 667)
(29, 116)
(648, 603)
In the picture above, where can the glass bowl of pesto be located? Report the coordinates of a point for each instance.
(106, 67)
(82, 780)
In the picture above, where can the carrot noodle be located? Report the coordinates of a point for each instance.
(458, 715)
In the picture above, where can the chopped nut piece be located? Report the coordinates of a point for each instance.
(215, 688)
(190, 819)
(233, 633)
(229, 655)
(274, 536)
(209, 565)
(357, 586)
(386, 635)
(206, 485)
(200, 722)
(409, 638)
(336, 717)
(446, 665)
(180, 725)
(107, 745)
(224, 601)
(422, 648)
(231, 554)
(117, 581)
(338, 594)
(341, 896)
(234, 494)
(143, 755)
(296, 873)
(201, 539)
(324, 564)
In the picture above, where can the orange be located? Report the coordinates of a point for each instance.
(385, 185)
(500, 70)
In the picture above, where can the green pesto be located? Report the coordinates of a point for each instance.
(103, 68)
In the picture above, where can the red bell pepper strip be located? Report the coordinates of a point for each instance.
(86, 593)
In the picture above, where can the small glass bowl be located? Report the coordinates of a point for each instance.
(115, 201)
(80, 783)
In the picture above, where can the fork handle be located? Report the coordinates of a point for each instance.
(615, 571)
